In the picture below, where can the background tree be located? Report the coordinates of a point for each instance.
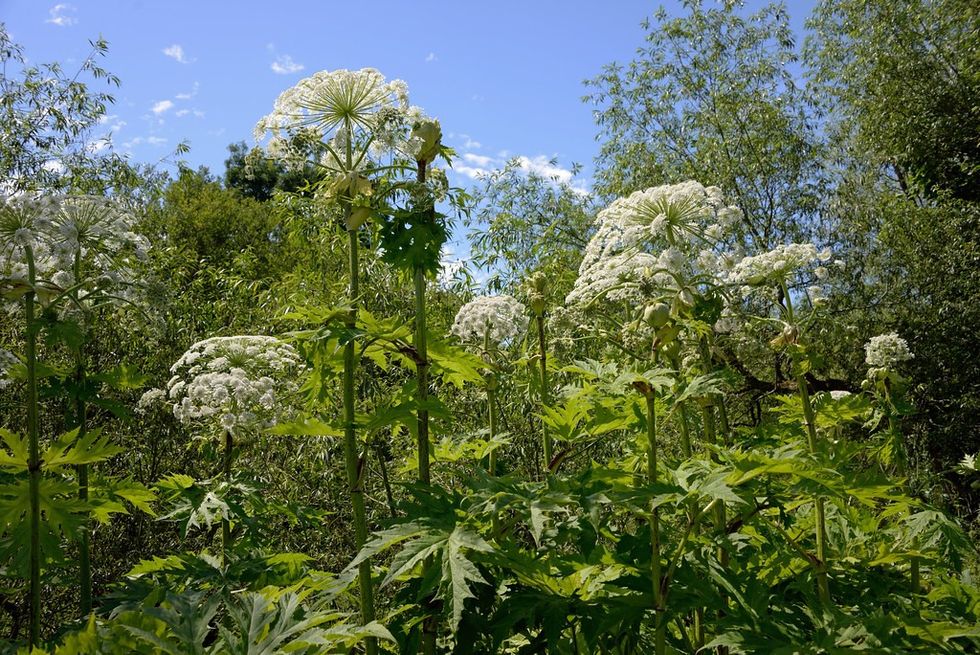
(713, 95)
(898, 86)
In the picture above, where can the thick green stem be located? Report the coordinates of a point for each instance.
(726, 431)
(33, 460)
(546, 444)
(685, 431)
(84, 546)
(655, 569)
(823, 583)
(711, 436)
(227, 454)
(685, 427)
(492, 411)
(352, 458)
(422, 378)
(902, 459)
(430, 622)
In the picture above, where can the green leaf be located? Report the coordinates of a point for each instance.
(16, 458)
(123, 377)
(307, 426)
(459, 571)
(413, 241)
(71, 450)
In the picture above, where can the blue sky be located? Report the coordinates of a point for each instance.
(504, 77)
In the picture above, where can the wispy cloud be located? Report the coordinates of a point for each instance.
(155, 140)
(284, 65)
(60, 15)
(176, 52)
(476, 166)
(478, 160)
(182, 112)
(162, 106)
(96, 146)
(545, 167)
(431, 57)
(191, 94)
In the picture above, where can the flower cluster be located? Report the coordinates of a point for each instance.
(654, 237)
(679, 215)
(336, 106)
(238, 383)
(776, 264)
(621, 277)
(7, 361)
(71, 240)
(886, 351)
(497, 319)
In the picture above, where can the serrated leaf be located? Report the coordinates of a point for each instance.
(308, 426)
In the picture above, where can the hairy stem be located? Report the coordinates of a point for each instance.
(34, 458)
(229, 446)
(655, 570)
(546, 444)
(352, 459)
(430, 622)
(823, 583)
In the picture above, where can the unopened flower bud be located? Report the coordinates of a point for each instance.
(788, 336)
(657, 315)
(429, 132)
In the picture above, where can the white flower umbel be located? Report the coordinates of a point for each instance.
(679, 215)
(349, 112)
(777, 264)
(886, 351)
(497, 319)
(239, 383)
(657, 235)
(84, 241)
(7, 361)
(617, 278)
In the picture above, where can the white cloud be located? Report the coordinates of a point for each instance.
(97, 145)
(176, 52)
(113, 121)
(198, 113)
(544, 167)
(479, 160)
(188, 96)
(450, 265)
(59, 15)
(182, 112)
(284, 65)
(54, 166)
(155, 140)
(162, 106)
(472, 172)
(431, 57)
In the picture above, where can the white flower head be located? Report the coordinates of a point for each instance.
(886, 351)
(497, 319)
(774, 265)
(653, 237)
(88, 234)
(235, 383)
(347, 108)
